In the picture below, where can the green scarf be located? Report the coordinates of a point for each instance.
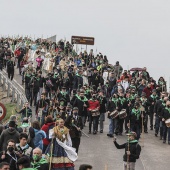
(136, 113)
(83, 100)
(167, 109)
(24, 125)
(132, 141)
(122, 100)
(55, 75)
(63, 93)
(78, 75)
(115, 101)
(154, 97)
(36, 165)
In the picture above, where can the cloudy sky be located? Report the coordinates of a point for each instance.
(134, 32)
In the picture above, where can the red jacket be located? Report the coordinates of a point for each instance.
(93, 105)
(46, 128)
(148, 91)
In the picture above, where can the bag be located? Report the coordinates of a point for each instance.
(49, 83)
(48, 132)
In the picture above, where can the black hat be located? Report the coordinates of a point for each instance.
(23, 160)
(137, 104)
(154, 90)
(69, 105)
(75, 108)
(143, 94)
(12, 123)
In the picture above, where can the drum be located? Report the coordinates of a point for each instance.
(167, 122)
(40, 111)
(122, 114)
(95, 113)
(114, 114)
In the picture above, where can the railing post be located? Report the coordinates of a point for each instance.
(4, 81)
(0, 79)
(8, 92)
(18, 101)
(13, 94)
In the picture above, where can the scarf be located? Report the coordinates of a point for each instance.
(154, 97)
(136, 112)
(122, 100)
(61, 133)
(78, 75)
(168, 109)
(63, 93)
(83, 100)
(132, 141)
(37, 165)
(115, 101)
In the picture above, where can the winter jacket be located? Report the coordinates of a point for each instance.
(10, 133)
(38, 139)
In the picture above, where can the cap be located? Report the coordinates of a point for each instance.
(154, 90)
(143, 94)
(75, 108)
(132, 134)
(13, 118)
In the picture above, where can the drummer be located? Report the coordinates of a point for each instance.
(123, 105)
(166, 122)
(113, 105)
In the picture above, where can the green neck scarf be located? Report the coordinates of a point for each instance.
(132, 141)
(154, 96)
(39, 163)
(168, 109)
(136, 112)
(83, 100)
(63, 93)
(122, 100)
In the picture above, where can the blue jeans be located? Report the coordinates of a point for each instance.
(102, 119)
(166, 130)
(111, 126)
(158, 125)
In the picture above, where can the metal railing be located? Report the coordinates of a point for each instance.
(13, 90)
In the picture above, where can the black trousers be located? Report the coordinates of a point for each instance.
(33, 96)
(11, 74)
(76, 143)
(95, 120)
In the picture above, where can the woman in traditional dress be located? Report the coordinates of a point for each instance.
(63, 155)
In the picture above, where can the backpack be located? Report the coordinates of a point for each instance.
(47, 134)
(49, 83)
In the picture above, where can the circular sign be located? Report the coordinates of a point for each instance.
(2, 111)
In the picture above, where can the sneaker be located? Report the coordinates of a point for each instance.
(101, 131)
(110, 135)
(94, 133)
(145, 131)
(164, 141)
(156, 134)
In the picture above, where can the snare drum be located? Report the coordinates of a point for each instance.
(114, 114)
(95, 113)
(167, 122)
(122, 114)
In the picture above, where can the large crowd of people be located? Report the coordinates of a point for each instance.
(67, 91)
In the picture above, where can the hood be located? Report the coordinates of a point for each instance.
(11, 131)
(49, 124)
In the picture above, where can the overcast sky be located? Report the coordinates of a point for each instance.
(134, 32)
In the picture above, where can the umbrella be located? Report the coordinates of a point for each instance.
(137, 69)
